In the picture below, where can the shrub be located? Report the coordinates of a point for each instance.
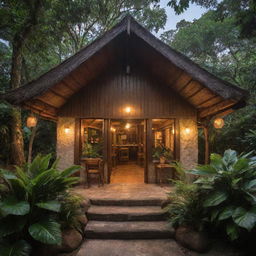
(31, 202)
(227, 189)
(223, 196)
(185, 208)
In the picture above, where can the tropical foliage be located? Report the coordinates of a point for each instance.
(35, 204)
(223, 196)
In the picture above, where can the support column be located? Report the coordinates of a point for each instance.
(206, 145)
(149, 176)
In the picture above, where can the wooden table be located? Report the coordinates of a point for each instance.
(159, 168)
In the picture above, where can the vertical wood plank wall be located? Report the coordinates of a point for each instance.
(111, 93)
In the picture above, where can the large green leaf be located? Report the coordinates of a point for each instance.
(19, 248)
(11, 224)
(216, 161)
(215, 198)
(226, 213)
(241, 164)
(245, 219)
(7, 174)
(204, 170)
(46, 232)
(71, 170)
(251, 185)
(229, 157)
(12, 206)
(50, 205)
(232, 231)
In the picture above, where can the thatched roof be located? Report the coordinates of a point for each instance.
(209, 94)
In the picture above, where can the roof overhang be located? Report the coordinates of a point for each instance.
(209, 94)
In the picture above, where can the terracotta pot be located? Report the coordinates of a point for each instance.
(162, 160)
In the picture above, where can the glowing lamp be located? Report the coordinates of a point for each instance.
(31, 121)
(66, 129)
(128, 110)
(187, 130)
(113, 129)
(127, 126)
(218, 123)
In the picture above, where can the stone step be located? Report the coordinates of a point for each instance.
(127, 202)
(126, 213)
(128, 230)
(161, 247)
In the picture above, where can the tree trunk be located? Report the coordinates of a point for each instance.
(31, 140)
(17, 144)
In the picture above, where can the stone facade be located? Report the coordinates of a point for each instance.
(188, 143)
(65, 142)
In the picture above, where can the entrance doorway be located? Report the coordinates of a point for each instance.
(127, 151)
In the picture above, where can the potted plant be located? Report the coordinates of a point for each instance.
(162, 154)
(91, 151)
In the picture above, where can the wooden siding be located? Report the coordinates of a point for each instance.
(107, 97)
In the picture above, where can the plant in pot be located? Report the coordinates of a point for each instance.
(91, 151)
(162, 154)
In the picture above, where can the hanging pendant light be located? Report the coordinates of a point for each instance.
(31, 121)
(218, 123)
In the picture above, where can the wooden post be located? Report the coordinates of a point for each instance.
(106, 150)
(148, 163)
(206, 144)
(77, 144)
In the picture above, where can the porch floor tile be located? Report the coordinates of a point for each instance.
(126, 191)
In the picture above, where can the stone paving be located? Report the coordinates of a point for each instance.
(125, 191)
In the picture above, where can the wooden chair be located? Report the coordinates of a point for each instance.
(94, 166)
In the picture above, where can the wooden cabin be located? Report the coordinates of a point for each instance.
(122, 97)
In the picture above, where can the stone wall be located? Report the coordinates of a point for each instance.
(65, 142)
(188, 143)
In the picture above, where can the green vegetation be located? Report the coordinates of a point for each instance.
(35, 204)
(162, 152)
(223, 197)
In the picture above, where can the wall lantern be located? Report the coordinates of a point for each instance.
(66, 129)
(187, 130)
(127, 126)
(31, 121)
(128, 110)
(218, 123)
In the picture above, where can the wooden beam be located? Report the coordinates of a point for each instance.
(40, 112)
(224, 105)
(185, 86)
(68, 86)
(196, 92)
(57, 94)
(207, 100)
(44, 106)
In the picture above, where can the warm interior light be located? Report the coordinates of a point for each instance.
(31, 121)
(113, 129)
(128, 109)
(187, 130)
(218, 123)
(127, 126)
(173, 131)
(67, 129)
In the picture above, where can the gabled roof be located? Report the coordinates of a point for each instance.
(209, 94)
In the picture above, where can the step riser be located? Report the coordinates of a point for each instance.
(103, 202)
(125, 217)
(130, 235)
